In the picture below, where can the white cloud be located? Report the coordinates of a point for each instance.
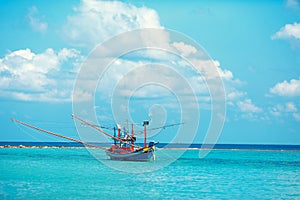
(35, 20)
(283, 108)
(80, 95)
(292, 3)
(121, 67)
(211, 69)
(296, 116)
(65, 54)
(289, 31)
(288, 109)
(129, 73)
(225, 74)
(185, 49)
(235, 95)
(39, 77)
(248, 106)
(95, 21)
(285, 88)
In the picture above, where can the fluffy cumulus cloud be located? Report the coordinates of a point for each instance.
(279, 109)
(185, 49)
(198, 81)
(235, 94)
(245, 108)
(289, 31)
(296, 116)
(96, 21)
(35, 20)
(287, 88)
(46, 76)
(248, 106)
(288, 109)
(293, 4)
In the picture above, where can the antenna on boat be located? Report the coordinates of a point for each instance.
(145, 123)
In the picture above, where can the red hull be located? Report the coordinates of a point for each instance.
(125, 155)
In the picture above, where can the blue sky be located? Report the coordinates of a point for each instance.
(255, 46)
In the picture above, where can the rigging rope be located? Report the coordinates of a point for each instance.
(161, 127)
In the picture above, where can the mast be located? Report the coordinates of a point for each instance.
(132, 134)
(98, 129)
(115, 141)
(119, 133)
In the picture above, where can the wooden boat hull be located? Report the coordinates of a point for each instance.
(131, 156)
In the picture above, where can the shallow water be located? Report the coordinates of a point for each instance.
(76, 174)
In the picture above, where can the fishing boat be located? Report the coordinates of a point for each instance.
(123, 148)
(128, 150)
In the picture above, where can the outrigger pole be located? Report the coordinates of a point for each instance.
(98, 129)
(57, 135)
(85, 143)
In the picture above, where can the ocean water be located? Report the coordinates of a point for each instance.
(73, 173)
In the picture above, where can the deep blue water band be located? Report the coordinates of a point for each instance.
(162, 145)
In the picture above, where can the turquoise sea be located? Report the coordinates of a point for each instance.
(73, 173)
